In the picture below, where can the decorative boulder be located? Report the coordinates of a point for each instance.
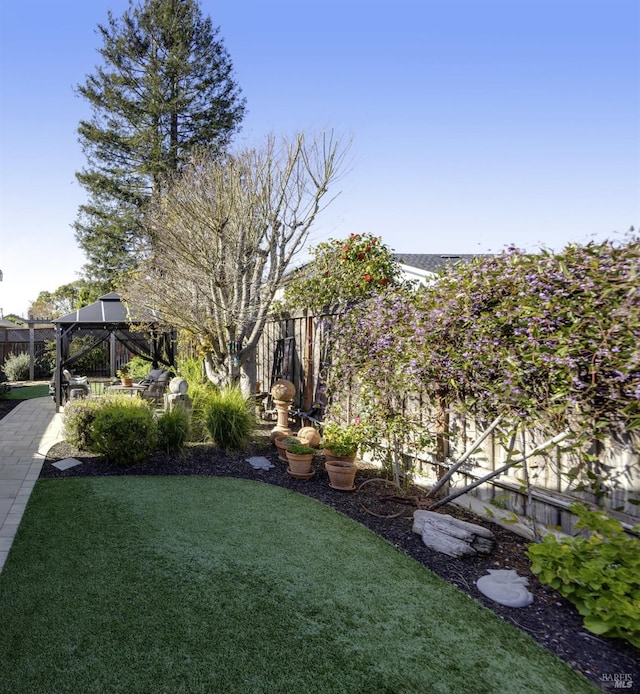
(309, 436)
(505, 587)
(451, 536)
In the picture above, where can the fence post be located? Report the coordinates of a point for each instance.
(32, 351)
(442, 432)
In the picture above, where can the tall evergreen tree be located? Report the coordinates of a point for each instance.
(165, 91)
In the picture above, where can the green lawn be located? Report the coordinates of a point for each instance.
(134, 584)
(27, 392)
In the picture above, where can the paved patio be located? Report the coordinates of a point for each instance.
(26, 434)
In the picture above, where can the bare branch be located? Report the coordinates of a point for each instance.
(224, 233)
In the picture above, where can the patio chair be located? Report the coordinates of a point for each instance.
(155, 383)
(70, 383)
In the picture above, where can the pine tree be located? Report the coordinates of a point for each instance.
(165, 91)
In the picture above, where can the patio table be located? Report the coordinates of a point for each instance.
(133, 390)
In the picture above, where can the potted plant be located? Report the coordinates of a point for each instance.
(123, 374)
(341, 442)
(300, 457)
(282, 443)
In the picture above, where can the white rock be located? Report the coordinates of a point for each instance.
(504, 586)
(260, 463)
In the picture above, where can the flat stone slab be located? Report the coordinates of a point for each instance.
(67, 463)
(260, 463)
(505, 587)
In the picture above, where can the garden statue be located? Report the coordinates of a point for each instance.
(283, 392)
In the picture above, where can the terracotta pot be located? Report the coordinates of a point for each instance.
(341, 474)
(282, 448)
(329, 455)
(299, 464)
(127, 382)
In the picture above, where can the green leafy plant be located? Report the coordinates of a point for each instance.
(16, 366)
(599, 574)
(191, 369)
(138, 367)
(342, 439)
(173, 428)
(547, 341)
(123, 371)
(123, 430)
(342, 271)
(78, 422)
(202, 395)
(300, 449)
(289, 441)
(229, 418)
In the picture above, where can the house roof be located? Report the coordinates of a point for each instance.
(432, 262)
(10, 325)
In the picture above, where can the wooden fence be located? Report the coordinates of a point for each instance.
(30, 341)
(34, 340)
(298, 348)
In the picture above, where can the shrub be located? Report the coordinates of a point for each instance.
(201, 398)
(229, 418)
(124, 430)
(16, 366)
(343, 271)
(599, 574)
(173, 428)
(78, 422)
(139, 367)
(191, 370)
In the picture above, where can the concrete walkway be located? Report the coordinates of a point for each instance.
(26, 434)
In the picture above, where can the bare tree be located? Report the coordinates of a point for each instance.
(222, 236)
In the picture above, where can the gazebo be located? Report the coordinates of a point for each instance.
(139, 329)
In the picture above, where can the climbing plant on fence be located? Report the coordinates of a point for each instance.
(547, 340)
(343, 271)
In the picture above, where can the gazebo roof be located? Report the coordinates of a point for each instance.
(109, 310)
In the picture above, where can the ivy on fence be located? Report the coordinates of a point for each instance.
(546, 340)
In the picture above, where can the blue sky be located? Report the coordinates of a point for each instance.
(475, 124)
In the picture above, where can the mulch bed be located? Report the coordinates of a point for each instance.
(7, 405)
(550, 620)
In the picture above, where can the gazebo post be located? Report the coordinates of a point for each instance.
(57, 384)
